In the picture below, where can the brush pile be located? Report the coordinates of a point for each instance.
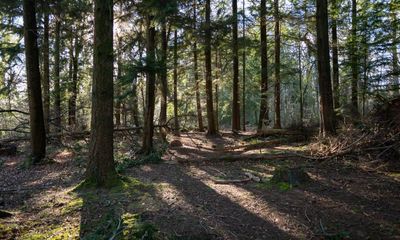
(375, 139)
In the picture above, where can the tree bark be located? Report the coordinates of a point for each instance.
(324, 77)
(74, 83)
(46, 70)
(277, 67)
(235, 82)
(263, 118)
(100, 169)
(196, 72)
(148, 128)
(395, 54)
(163, 77)
(335, 56)
(117, 84)
(57, 88)
(354, 59)
(176, 119)
(244, 70)
(37, 127)
(212, 130)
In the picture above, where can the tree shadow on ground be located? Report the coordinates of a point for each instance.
(356, 204)
(200, 212)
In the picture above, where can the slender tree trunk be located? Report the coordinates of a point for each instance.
(218, 72)
(196, 72)
(277, 67)
(395, 54)
(117, 85)
(74, 83)
(235, 83)
(135, 102)
(38, 134)
(176, 119)
(324, 75)
(300, 83)
(46, 70)
(148, 129)
(354, 59)
(101, 168)
(163, 78)
(57, 88)
(212, 130)
(263, 118)
(335, 56)
(244, 70)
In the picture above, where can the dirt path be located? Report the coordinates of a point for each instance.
(343, 200)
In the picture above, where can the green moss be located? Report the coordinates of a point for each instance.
(7, 231)
(52, 232)
(72, 206)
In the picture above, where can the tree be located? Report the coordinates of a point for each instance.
(163, 75)
(324, 77)
(101, 168)
(196, 72)
(176, 120)
(74, 83)
(148, 128)
(244, 69)
(38, 134)
(212, 130)
(46, 69)
(335, 55)
(395, 55)
(277, 67)
(235, 82)
(57, 87)
(263, 119)
(354, 58)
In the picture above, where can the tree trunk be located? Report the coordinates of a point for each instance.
(235, 83)
(117, 85)
(263, 118)
(324, 77)
(244, 70)
(38, 134)
(135, 102)
(300, 83)
(100, 169)
(176, 119)
(57, 88)
(163, 78)
(148, 129)
(354, 59)
(335, 56)
(395, 54)
(74, 83)
(46, 70)
(212, 130)
(196, 73)
(277, 67)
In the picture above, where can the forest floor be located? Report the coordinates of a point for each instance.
(181, 197)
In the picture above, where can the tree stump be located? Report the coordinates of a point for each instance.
(293, 176)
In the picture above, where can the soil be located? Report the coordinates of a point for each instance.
(343, 200)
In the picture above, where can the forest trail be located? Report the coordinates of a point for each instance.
(180, 197)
